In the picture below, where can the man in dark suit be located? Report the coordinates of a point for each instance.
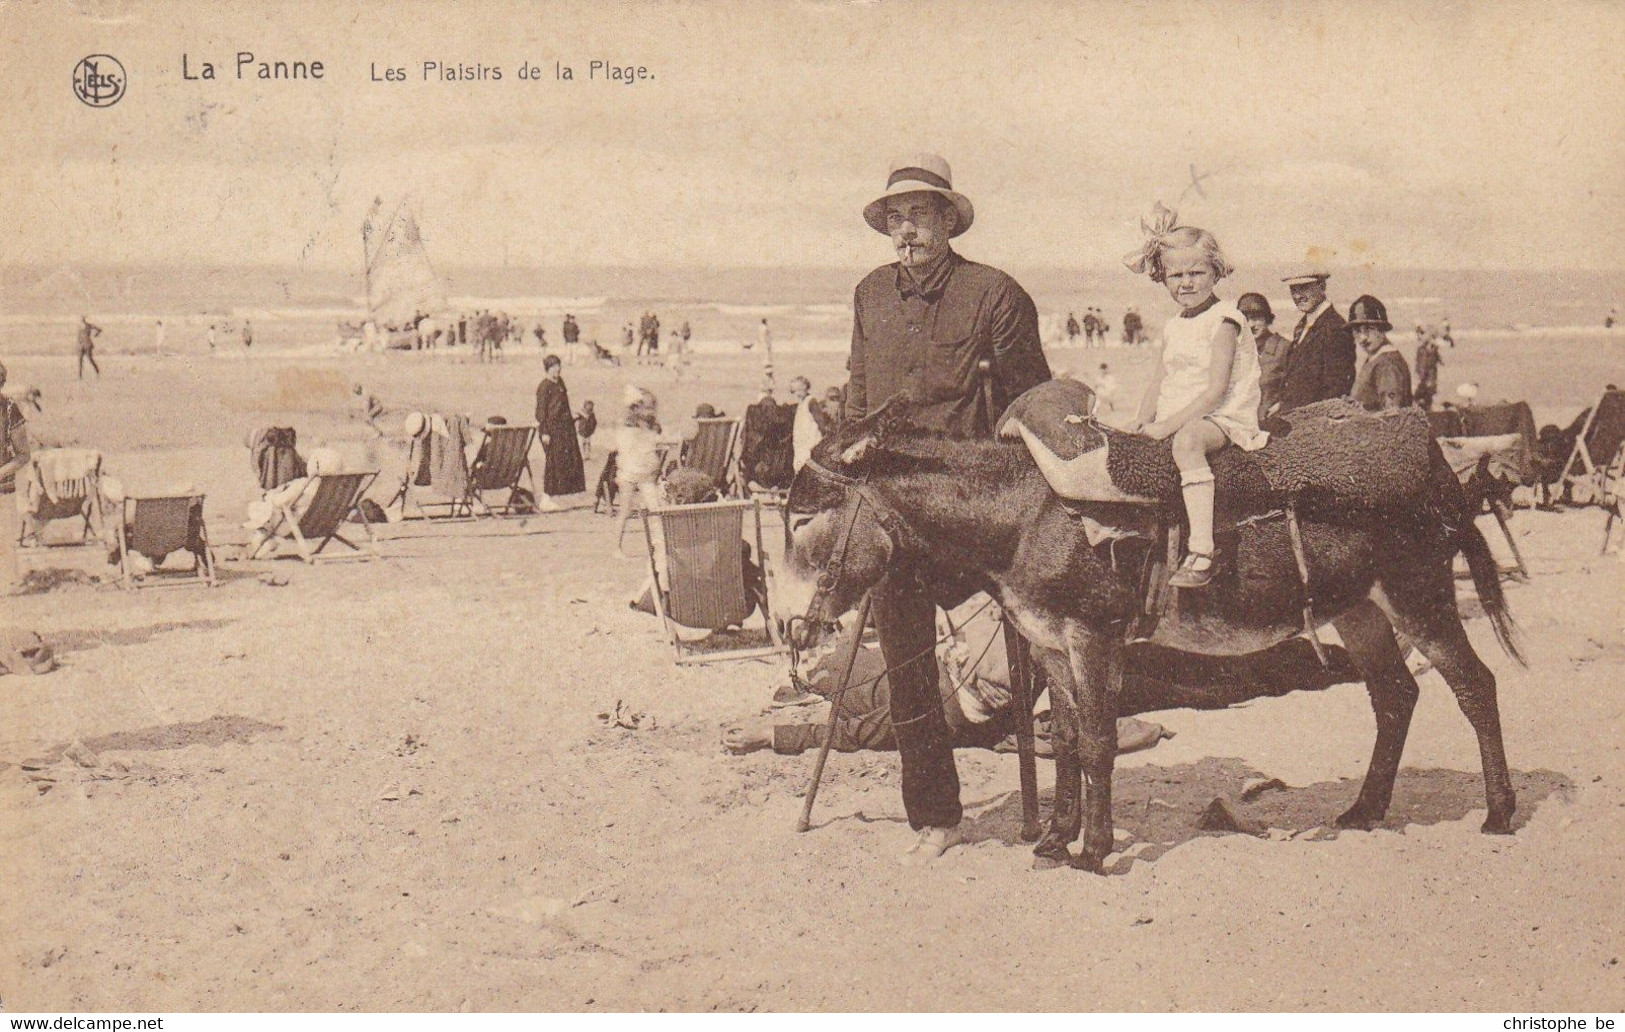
(1320, 362)
(1384, 380)
(926, 323)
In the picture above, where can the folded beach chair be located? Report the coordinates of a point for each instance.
(712, 451)
(1604, 433)
(327, 501)
(158, 526)
(704, 584)
(502, 459)
(60, 484)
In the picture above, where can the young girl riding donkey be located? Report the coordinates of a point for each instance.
(1204, 388)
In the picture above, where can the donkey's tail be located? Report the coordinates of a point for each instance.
(1487, 580)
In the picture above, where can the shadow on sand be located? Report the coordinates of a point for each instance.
(1162, 807)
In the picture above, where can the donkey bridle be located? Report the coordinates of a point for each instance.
(891, 523)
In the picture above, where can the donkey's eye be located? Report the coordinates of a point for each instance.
(798, 522)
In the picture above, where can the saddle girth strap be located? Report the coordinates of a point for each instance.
(1303, 579)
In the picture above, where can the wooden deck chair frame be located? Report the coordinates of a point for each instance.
(681, 653)
(334, 498)
(95, 508)
(712, 451)
(503, 473)
(1613, 498)
(129, 528)
(1585, 467)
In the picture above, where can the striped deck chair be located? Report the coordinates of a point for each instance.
(154, 528)
(1602, 436)
(712, 451)
(332, 498)
(704, 584)
(502, 460)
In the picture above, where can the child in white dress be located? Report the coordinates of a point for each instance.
(1204, 390)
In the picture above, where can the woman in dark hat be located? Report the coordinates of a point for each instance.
(1383, 380)
(556, 428)
(1272, 348)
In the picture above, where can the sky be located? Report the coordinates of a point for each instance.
(1405, 135)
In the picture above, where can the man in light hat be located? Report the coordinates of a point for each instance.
(1384, 380)
(1320, 362)
(924, 324)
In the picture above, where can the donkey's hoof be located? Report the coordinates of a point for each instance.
(1357, 818)
(1052, 848)
(1497, 826)
(1086, 861)
(1051, 863)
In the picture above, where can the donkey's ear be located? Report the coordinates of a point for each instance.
(896, 413)
(855, 452)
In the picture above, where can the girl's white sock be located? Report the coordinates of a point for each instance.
(1197, 487)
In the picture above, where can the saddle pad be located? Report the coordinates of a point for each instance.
(1331, 456)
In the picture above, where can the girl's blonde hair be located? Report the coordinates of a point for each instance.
(1163, 231)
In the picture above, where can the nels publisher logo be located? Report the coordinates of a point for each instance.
(98, 80)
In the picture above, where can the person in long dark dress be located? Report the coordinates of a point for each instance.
(555, 425)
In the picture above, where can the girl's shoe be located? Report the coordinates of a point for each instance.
(1195, 572)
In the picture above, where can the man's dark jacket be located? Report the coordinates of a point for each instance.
(1319, 366)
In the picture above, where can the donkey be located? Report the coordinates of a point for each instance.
(883, 498)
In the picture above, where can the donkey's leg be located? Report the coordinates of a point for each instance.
(1065, 816)
(1423, 607)
(1097, 671)
(1369, 638)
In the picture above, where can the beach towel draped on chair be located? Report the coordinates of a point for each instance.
(56, 484)
(274, 455)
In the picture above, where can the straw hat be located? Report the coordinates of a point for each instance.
(1306, 272)
(916, 173)
(415, 422)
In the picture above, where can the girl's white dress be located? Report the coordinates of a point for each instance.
(1187, 351)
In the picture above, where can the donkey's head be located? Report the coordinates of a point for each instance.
(843, 536)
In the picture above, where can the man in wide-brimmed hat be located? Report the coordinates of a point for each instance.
(925, 324)
(1320, 362)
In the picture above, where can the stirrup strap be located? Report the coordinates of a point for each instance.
(1303, 579)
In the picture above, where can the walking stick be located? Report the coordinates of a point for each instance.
(1021, 690)
(834, 709)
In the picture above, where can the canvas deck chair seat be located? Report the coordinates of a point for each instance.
(153, 528)
(59, 484)
(697, 563)
(712, 451)
(316, 517)
(1586, 472)
(501, 460)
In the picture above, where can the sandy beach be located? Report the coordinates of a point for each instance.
(388, 785)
